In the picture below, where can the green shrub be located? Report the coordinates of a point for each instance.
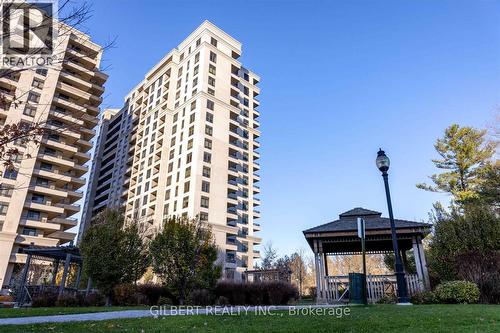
(68, 300)
(127, 294)
(45, 299)
(423, 297)
(94, 299)
(162, 300)
(388, 298)
(154, 292)
(221, 300)
(202, 297)
(457, 292)
(256, 293)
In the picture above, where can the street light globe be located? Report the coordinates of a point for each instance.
(382, 161)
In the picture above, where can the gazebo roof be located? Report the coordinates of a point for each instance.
(55, 252)
(373, 220)
(340, 236)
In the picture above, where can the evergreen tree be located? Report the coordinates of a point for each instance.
(464, 153)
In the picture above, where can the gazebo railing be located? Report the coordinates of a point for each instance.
(378, 286)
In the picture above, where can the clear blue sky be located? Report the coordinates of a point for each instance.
(339, 80)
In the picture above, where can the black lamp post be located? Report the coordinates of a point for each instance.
(383, 163)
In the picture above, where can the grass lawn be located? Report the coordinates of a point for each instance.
(28, 312)
(377, 318)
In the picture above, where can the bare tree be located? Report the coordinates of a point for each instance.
(299, 270)
(270, 255)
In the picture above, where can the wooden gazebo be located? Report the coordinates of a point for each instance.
(55, 258)
(340, 237)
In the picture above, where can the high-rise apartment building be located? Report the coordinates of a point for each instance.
(108, 165)
(37, 196)
(193, 148)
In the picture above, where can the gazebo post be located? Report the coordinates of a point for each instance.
(322, 262)
(78, 276)
(89, 286)
(54, 273)
(420, 262)
(24, 277)
(319, 273)
(326, 263)
(67, 262)
(405, 261)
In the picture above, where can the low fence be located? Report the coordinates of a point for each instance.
(378, 286)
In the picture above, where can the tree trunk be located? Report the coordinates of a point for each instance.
(108, 300)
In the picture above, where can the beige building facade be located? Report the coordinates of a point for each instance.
(38, 196)
(193, 145)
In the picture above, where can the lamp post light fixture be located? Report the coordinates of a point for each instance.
(383, 164)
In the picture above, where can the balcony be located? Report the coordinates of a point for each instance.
(45, 207)
(72, 208)
(65, 221)
(36, 240)
(43, 225)
(84, 59)
(63, 236)
(66, 117)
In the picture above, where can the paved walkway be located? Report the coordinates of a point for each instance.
(155, 312)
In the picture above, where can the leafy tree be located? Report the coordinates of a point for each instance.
(183, 255)
(410, 266)
(489, 190)
(112, 253)
(466, 245)
(464, 152)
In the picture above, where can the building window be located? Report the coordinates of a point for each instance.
(204, 202)
(213, 57)
(208, 143)
(211, 81)
(210, 117)
(211, 91)
(6, 191)
(207, 157)
(206, 172)
(186, 187)
(208, 130)
(187, 174)
(46, 166)
(198, 42)
(32, 97)
(189, 158)
(33, 215)
(10, 173)
(204, 217)
(42, 71)
(211, 69)
(213, 41)
(42, 182)
(37, 83)
(192, 118)
(210, 104)
(29, 110)
(29, 231)
(205, 186)
(185, 202)
(3, 208)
